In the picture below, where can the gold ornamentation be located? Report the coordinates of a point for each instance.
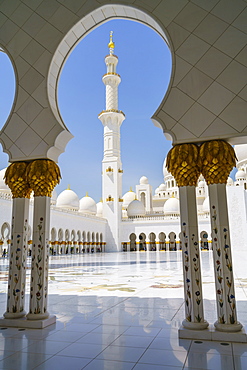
(43, 175)
(109, 199)
(217, 160)
(109, 169)
(15, 178)
(182, 163)
(120, 171)
(111, 44)
(120, 200)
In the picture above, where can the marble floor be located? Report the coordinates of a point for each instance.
(121, 311)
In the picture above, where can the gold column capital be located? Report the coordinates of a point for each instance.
(182, 163)
(16, 179)
(217, 160)
(43, 175)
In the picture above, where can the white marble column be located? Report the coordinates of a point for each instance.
(223, 269)
(40, 255)
(17, 259)
(194, 314)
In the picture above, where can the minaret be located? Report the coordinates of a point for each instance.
(112, 119)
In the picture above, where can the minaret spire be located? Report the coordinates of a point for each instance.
(112, 119)
(111, 44)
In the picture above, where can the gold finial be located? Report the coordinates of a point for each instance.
(68, 187)
(131, 189)
(111, 44)
(86, 194)
(101, 200)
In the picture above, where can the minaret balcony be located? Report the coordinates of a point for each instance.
(111, 78)
(111, 111)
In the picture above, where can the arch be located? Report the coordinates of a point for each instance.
(143, 198)
(74, 36)
(142, 242)
(132, 239)
(78, 236)
(162, 241)
(152, 242)
(204, 240)
(60, 235)
(5, 231)
(172, 241)
(53, 234)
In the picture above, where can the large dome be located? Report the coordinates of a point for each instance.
(128, 198)
(68, 199)
(241, 153)
(88, 205)
(136, 208)
(171, 206)
(3, 186)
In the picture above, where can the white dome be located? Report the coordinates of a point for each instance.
(240, 175)
(68, 199)
(162, 187)
(135, 208)
(230, 181)
(241, 153)
(201, 184)
(128, 198)
(143, 180)
(156, 191)
(88, 205)
(3, 186)
(99, 207)
(206, 205)
(171, 206)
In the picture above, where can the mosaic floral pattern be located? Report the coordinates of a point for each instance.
(224, 286)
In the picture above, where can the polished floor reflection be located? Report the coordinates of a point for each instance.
(121, 311)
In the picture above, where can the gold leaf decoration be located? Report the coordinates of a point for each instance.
(217, 159)
(15, 178)
(43, 175)
(182, 163)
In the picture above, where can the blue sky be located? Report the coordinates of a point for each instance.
(145, 68)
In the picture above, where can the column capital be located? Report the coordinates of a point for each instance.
(217, 159)
(16, 179)
(43, 175)
(182, 163)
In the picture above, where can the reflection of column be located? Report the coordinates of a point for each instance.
(218, 159)
(43, 176)
(16, 180)
(182, 162)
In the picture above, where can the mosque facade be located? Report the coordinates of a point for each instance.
(138, 220)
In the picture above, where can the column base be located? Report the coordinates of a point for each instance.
(27, 324)
(230, 328)
(195, 325)
(14, 315)
(211, 334)
(37, 316)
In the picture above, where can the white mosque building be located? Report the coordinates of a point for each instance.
(138, 220)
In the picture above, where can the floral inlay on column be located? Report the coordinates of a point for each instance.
(218, 158)
(182, 163)
(43, 175)
(15, 178)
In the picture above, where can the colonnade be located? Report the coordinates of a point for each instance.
(214, 160)
(39, 176)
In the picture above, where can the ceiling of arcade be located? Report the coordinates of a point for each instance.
(208, 90)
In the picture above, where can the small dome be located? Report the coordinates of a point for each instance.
(240, 175)
(201, 184)
(3, 186)
(171, 206)
(156, 191)
(162, 187)
(135, 208)
(143, 180)
(68, 199)
(230, 181)
(206, 206)
(99, 207)
(88, 205)
(128, 198)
